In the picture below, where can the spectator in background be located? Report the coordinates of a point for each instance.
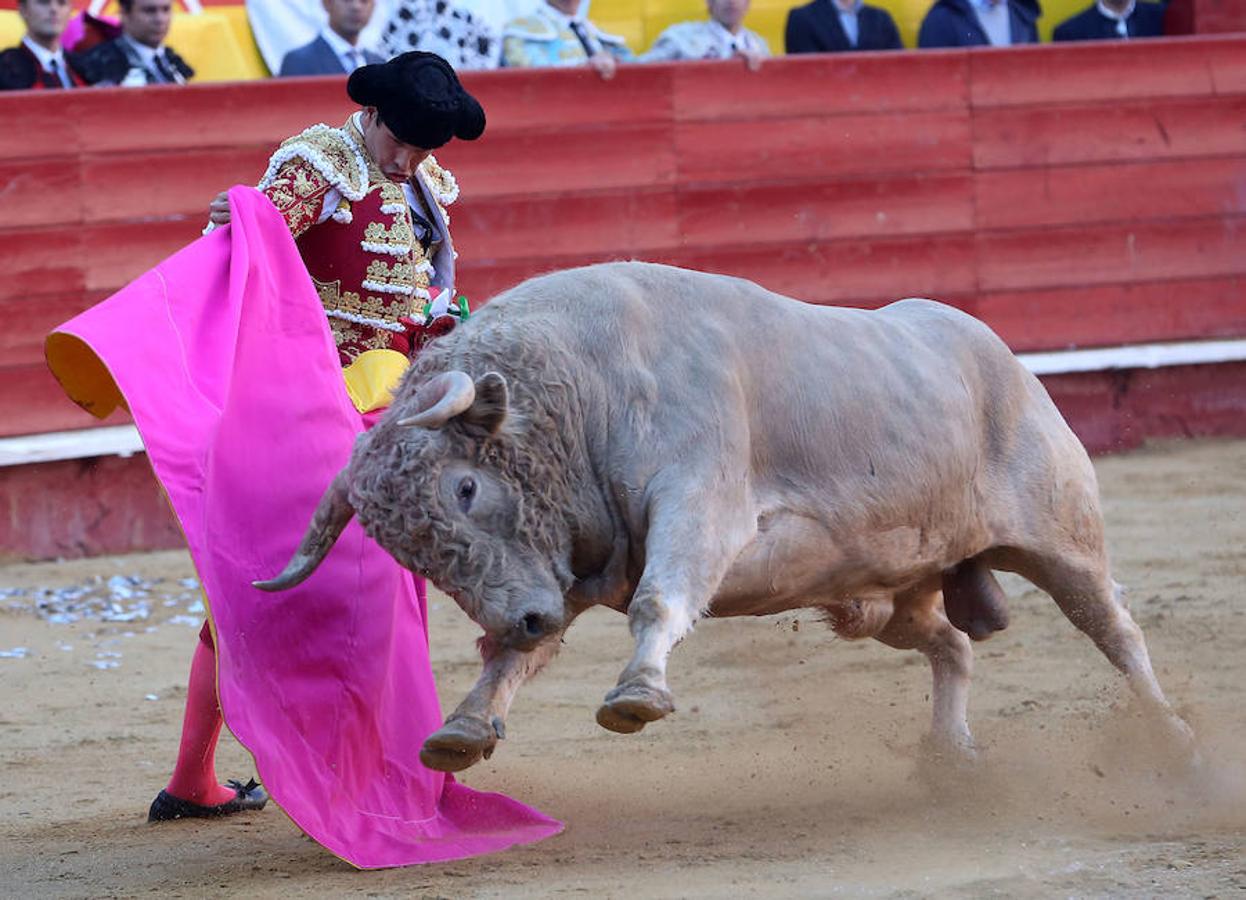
(1108, 19)
(336, 50)
(833, 26)
(139, 55)
(722, 37)
(559, 34)
(973, 23)
(438, 26)
(38, 61)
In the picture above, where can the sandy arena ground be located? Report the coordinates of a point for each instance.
(789, 770)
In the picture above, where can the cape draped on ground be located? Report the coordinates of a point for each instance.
(224, 357)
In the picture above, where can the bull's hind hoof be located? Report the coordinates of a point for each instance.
(629, 707)
(460, 743)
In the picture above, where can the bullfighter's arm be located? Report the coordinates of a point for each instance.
(298, 191)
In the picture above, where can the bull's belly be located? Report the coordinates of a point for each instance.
(797, 563)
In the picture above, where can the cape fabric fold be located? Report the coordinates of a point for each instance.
(224, 357)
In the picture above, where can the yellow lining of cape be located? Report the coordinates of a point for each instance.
(372, 377)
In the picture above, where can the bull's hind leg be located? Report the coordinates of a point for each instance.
(1087, 595)
(919, 623)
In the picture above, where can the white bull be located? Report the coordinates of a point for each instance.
(674, 444)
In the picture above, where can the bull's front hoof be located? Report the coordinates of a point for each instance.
(629, 707)
(460, 743)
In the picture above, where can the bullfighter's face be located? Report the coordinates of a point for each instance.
(728, 13)
(451, 500)
(398, 161)
(45, 20)
(147, 21)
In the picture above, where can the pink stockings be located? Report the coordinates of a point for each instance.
(194, 777)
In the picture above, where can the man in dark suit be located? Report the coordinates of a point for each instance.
(1110, 19)
(139, 55)
(973, 23)
(38, 61)
(336, 50)
(832, 26)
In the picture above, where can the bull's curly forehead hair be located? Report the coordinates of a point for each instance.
(396, 473)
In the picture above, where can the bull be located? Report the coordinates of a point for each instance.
(675, 444)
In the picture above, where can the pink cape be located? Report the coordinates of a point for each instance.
(224, 357)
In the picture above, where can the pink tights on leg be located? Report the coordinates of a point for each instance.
(194, 777)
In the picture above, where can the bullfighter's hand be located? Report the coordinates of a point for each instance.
(604, 64)
(218, 209)
(751, 60)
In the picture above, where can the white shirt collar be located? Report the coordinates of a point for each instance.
(340, 45)
(739, 41)
(559, 16)
(44, 55)
(987, 5)
(146, 54)
(580, 15)
(1113, 14)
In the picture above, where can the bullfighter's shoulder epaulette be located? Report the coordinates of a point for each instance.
(331, 152)
(531, 28)
(440, 182)
(304, 169)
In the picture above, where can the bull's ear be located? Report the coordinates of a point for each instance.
(490, 405)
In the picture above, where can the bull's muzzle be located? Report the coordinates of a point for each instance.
(530, 630)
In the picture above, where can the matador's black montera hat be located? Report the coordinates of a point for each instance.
(419, 98)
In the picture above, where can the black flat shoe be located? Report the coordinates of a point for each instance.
(246, 796)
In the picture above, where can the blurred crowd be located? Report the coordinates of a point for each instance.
(67, 47)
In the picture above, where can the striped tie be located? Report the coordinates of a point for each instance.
(54, 69)
(164, 70)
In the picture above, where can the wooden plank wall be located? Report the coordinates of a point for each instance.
(1069, 195)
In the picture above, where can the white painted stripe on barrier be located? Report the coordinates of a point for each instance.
(123, 440)
(116, 440)
(1134, 356)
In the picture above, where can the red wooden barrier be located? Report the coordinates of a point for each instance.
(1071, 196)
(1023, 185)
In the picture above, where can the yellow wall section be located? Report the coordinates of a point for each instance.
(219, 45)
(631, 18)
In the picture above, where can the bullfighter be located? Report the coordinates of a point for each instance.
(366, 203)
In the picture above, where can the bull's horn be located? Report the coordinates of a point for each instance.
(331, 516)
(441, 399)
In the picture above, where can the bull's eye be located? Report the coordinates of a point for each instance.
(466, 492)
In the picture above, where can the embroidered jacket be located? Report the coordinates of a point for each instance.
(703, 40)
(367, 261)
(546, 38)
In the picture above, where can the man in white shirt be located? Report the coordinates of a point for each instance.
(39, 61)
(559, 33)
(722, 37)
(139, 56)
(336, 50)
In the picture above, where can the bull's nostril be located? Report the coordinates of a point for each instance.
(534, 625)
